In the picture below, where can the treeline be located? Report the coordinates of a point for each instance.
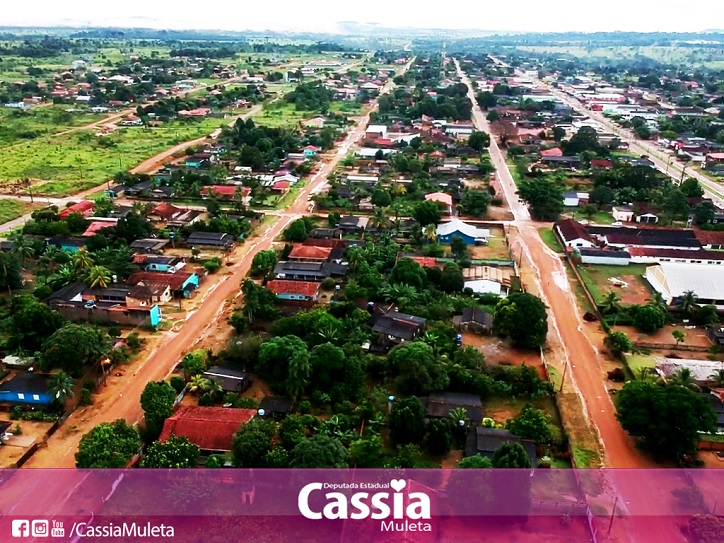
(310, 97)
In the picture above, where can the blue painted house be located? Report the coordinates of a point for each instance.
(471, 234)
(26, 388)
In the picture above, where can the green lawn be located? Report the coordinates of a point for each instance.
(282, 114)
(17, 126)
(81, 160)
(585, 458)
(550, 239)
(596, 277)
(637, 361)
(12, 209)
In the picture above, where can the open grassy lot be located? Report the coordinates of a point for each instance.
(17, 126)
(281, 115)
(691, 55)
(12, 209)
(596, 279)
(81, 160)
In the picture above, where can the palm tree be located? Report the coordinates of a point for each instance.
(430, 233)
(212, 387)
(658, 301)
(379, 219)
(98, 276)
(329, 333)
(197, 384)
(718, 378)
(688, 302)
(355, 258)
(610, 303)
(400, 294)
(60, 388)
(459, 416)
(82, 260)
(684, 378)
(22, 248)
(64, 276)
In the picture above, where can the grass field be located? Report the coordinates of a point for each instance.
(281, 115)
(550, 239)
(12, 209)
(81, 160)
(710, 58)
(18, 126)
(596, 281)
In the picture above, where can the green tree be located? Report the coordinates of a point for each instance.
(649, 318)
(688, 302)
(486, 100)
(72, 347)
(263, 262)
(479, 140)
(545, 198)
(194, 363)
(679, 336)
(417, 369)
(691, 188)
(157, 403)
(32, 322)
(82, 260)
(408, 272)
(511, 455)
(704, 212)
(559, 133)
(328, 366)
(611, 303)
(291, 431)
(675, 204)
(407, 421)
(451, 278)
(297, 231)
(258, 301)
(667, 419)
(493, 116)
(427, 212)
(319, 451)
(617, 344)
(475, 462)
(531, 423)
(523, 318)
(98, 276)
(175, 452)
(278, 357)
(366, 452)
(684, 378)
(458, 247)
(601, 195)
(60, 388)
(475, 203)
(381, 198)
(108, 445)
(439, 436)
(252, 443)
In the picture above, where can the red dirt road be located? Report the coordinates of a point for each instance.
(570, 343)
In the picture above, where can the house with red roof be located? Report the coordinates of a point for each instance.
(84, 207)
(211, 429)
(556, 151)
(441, 198)
(97, 226)
(574, 234)
(281, 186)
(294, 291)
(226, 192)
(309, 253)
(164, 212)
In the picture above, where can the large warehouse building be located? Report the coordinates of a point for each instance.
(672, 280)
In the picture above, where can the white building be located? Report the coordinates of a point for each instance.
(672, 280)
(376, 131)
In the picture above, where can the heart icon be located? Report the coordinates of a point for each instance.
(398, 484)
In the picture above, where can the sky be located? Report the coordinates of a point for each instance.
(322, 15)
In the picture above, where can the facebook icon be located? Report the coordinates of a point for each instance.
(21, 528)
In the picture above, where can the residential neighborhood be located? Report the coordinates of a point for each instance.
(427, 252)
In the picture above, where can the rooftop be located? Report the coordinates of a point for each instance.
(209, 428)
(304, 288)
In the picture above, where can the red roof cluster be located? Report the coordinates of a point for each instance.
(165, 210)
(224, 190)
(311, 252)
(209, 428)
(304, 288)
(84, 207)
(551, 152)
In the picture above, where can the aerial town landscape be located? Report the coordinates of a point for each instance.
(366, 250)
